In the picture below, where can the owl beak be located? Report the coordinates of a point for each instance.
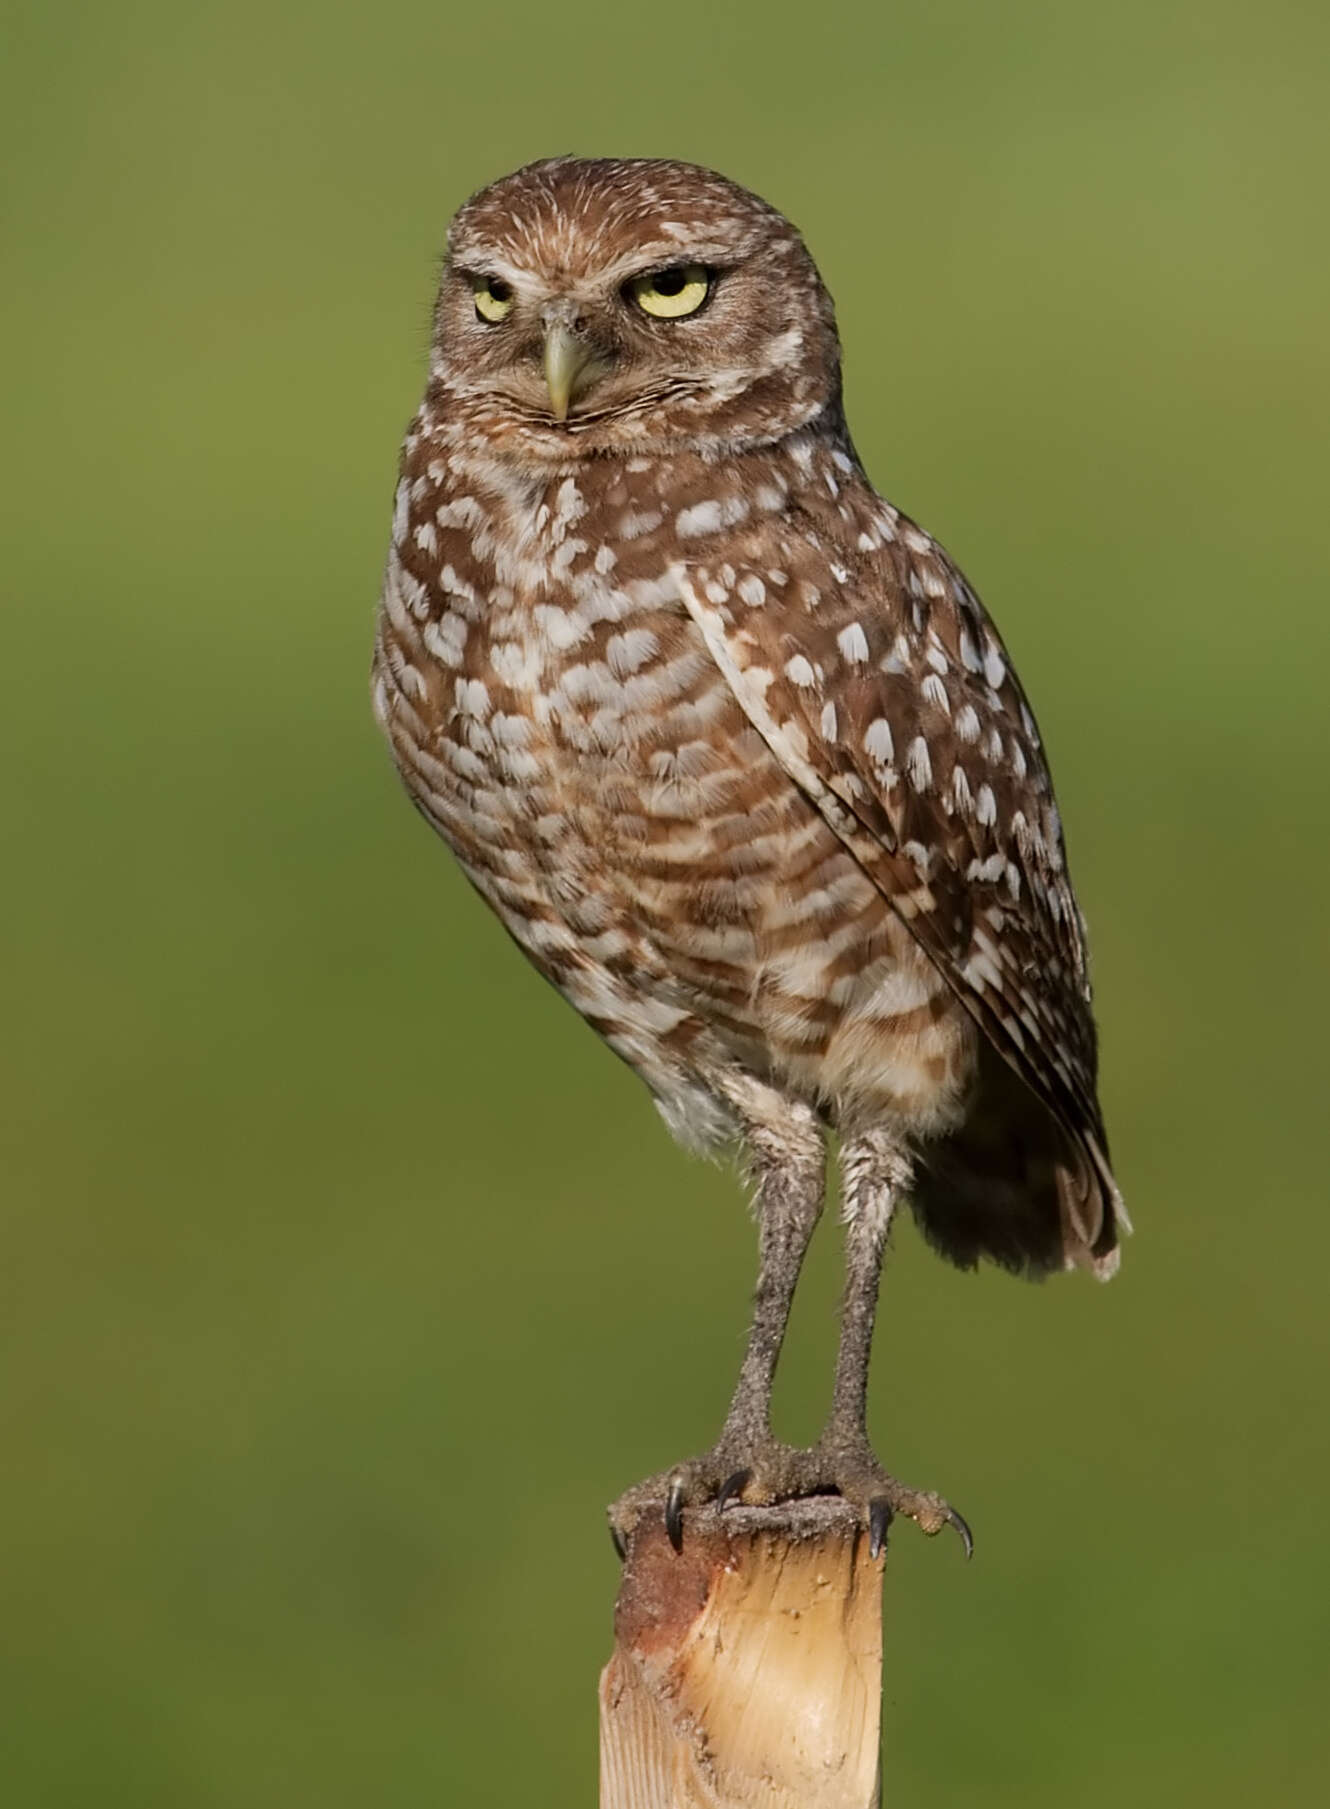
(570, 364)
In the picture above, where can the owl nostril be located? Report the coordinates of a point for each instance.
(563, 314)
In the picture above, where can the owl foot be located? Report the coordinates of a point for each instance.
(846, 1466)
(762, 1472)
(735, 1469)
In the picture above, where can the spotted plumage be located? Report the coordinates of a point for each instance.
(735, 753)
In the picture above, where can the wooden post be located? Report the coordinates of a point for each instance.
(747, 1669)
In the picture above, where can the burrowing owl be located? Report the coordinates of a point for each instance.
(735, 753)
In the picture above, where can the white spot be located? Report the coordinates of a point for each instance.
(463, 761)
(967, 723)
(878, 742)
(523, 768)
(560, 629)
(969, 653)
(900, 657)
(935, 585)
(840, 574)
(510, 731)
(568, 505)
(798, 671)
(472, 698)
(994, 670)
(446, 638)
(985, 805)
(918, 765)
(707, 517)
(455, 586)
(960, 790)
(460, 512)
(517, 665)
(752, 590)
(829, 721)
(853, 643)
(604, 561)
(565, 556)
(592, 683)
(627, 651)
(936, 693)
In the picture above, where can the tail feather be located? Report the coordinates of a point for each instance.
(1010, 1185)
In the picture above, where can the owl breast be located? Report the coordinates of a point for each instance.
(558, 717)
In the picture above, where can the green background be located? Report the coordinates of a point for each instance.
(345, 1275)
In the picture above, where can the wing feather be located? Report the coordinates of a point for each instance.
(874, 674)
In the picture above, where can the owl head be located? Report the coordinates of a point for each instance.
(596, 306)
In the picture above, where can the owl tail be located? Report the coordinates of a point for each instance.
(1011, 1186)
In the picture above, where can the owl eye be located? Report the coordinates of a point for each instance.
(493, 298)
(670, 294)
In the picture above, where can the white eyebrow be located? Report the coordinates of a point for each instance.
(654, 254)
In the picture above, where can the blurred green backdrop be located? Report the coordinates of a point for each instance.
(344, 1281)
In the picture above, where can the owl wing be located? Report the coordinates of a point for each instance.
(881, 686)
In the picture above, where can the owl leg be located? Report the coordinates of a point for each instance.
(787, 1161)
(875, 1170)
(790, 1172)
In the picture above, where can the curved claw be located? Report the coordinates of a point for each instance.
(732, 1489)
(959, 1522)
(674, 1514)
(879, 1521)
(616, 1540)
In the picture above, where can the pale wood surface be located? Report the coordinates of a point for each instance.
(747, 1669)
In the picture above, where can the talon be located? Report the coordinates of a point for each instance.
(616, 1540)
(879, 1520)
(967, 1537)
(732, 1489)
(674, 1513)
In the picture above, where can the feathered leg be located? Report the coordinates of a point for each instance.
(787, 1163)
(875, 1171)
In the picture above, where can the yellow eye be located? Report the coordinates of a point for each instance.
(493, 298)
(670, 294)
